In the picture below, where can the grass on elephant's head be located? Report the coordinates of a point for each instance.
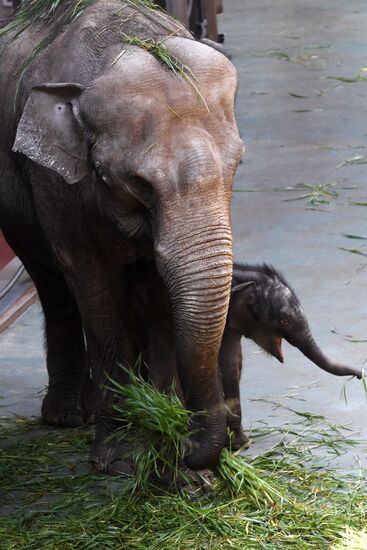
(58, 14)
(61, 13)
(160, 52)
(36, 11)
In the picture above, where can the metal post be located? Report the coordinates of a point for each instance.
(210, 14)
(179, 9)
(17, 4)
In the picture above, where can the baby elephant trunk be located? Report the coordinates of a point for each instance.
(307, 345)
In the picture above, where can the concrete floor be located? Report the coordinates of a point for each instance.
(299, 127)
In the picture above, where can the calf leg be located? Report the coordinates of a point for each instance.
(230, 367)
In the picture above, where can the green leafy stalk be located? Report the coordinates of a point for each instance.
(240, 477)
(159, 50)
(347, 80)
(353, 251)
(155, 425)
(357, 237)
(38, 11)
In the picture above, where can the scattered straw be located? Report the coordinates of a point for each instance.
(290, 496)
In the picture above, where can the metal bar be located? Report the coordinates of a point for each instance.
(179, 9)
(210, 14)
(7, 288)
(17, 4)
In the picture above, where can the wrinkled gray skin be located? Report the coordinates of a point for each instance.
(108, 161)
(264, 308)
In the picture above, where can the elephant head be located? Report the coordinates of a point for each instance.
(159, 149)
(264, 308)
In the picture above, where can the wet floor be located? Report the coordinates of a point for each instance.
(301, 109)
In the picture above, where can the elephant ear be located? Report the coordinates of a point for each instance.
(250, 290)
(49, 131)
(241, 286)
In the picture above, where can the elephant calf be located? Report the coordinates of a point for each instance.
(264, 308)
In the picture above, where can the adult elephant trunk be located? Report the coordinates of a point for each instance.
(306, 344)
(195, 261)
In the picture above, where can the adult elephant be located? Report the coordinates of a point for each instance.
(119, 145)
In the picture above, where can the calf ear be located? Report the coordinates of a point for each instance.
(241, 286)
(49, 131)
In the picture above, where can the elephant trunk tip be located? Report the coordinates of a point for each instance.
(310, 349)
(358, 374)
(342, 370)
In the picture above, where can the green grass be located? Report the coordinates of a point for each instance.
(358, 159)
(33, 12)
(156, 426)
(160, 52)
(318, 193)
(352, 540)
(291, 496)
(37, 11)
(353, 251)
(347, 79)
(314, 194)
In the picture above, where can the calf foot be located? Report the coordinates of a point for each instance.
(237, 439)
(69, 404)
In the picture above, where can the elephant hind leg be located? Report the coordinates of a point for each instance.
(69, 401)
(73, 411)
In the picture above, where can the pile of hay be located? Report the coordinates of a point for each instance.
(286, 497)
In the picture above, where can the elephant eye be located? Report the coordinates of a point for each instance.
(143, 189)
(106, 179)
(284, 322)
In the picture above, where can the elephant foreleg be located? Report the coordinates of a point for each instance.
(162, 349)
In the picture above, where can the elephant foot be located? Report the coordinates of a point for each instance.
(236, 439)
(69, 408)
(111, 457)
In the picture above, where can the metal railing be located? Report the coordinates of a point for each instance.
(10, 284)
